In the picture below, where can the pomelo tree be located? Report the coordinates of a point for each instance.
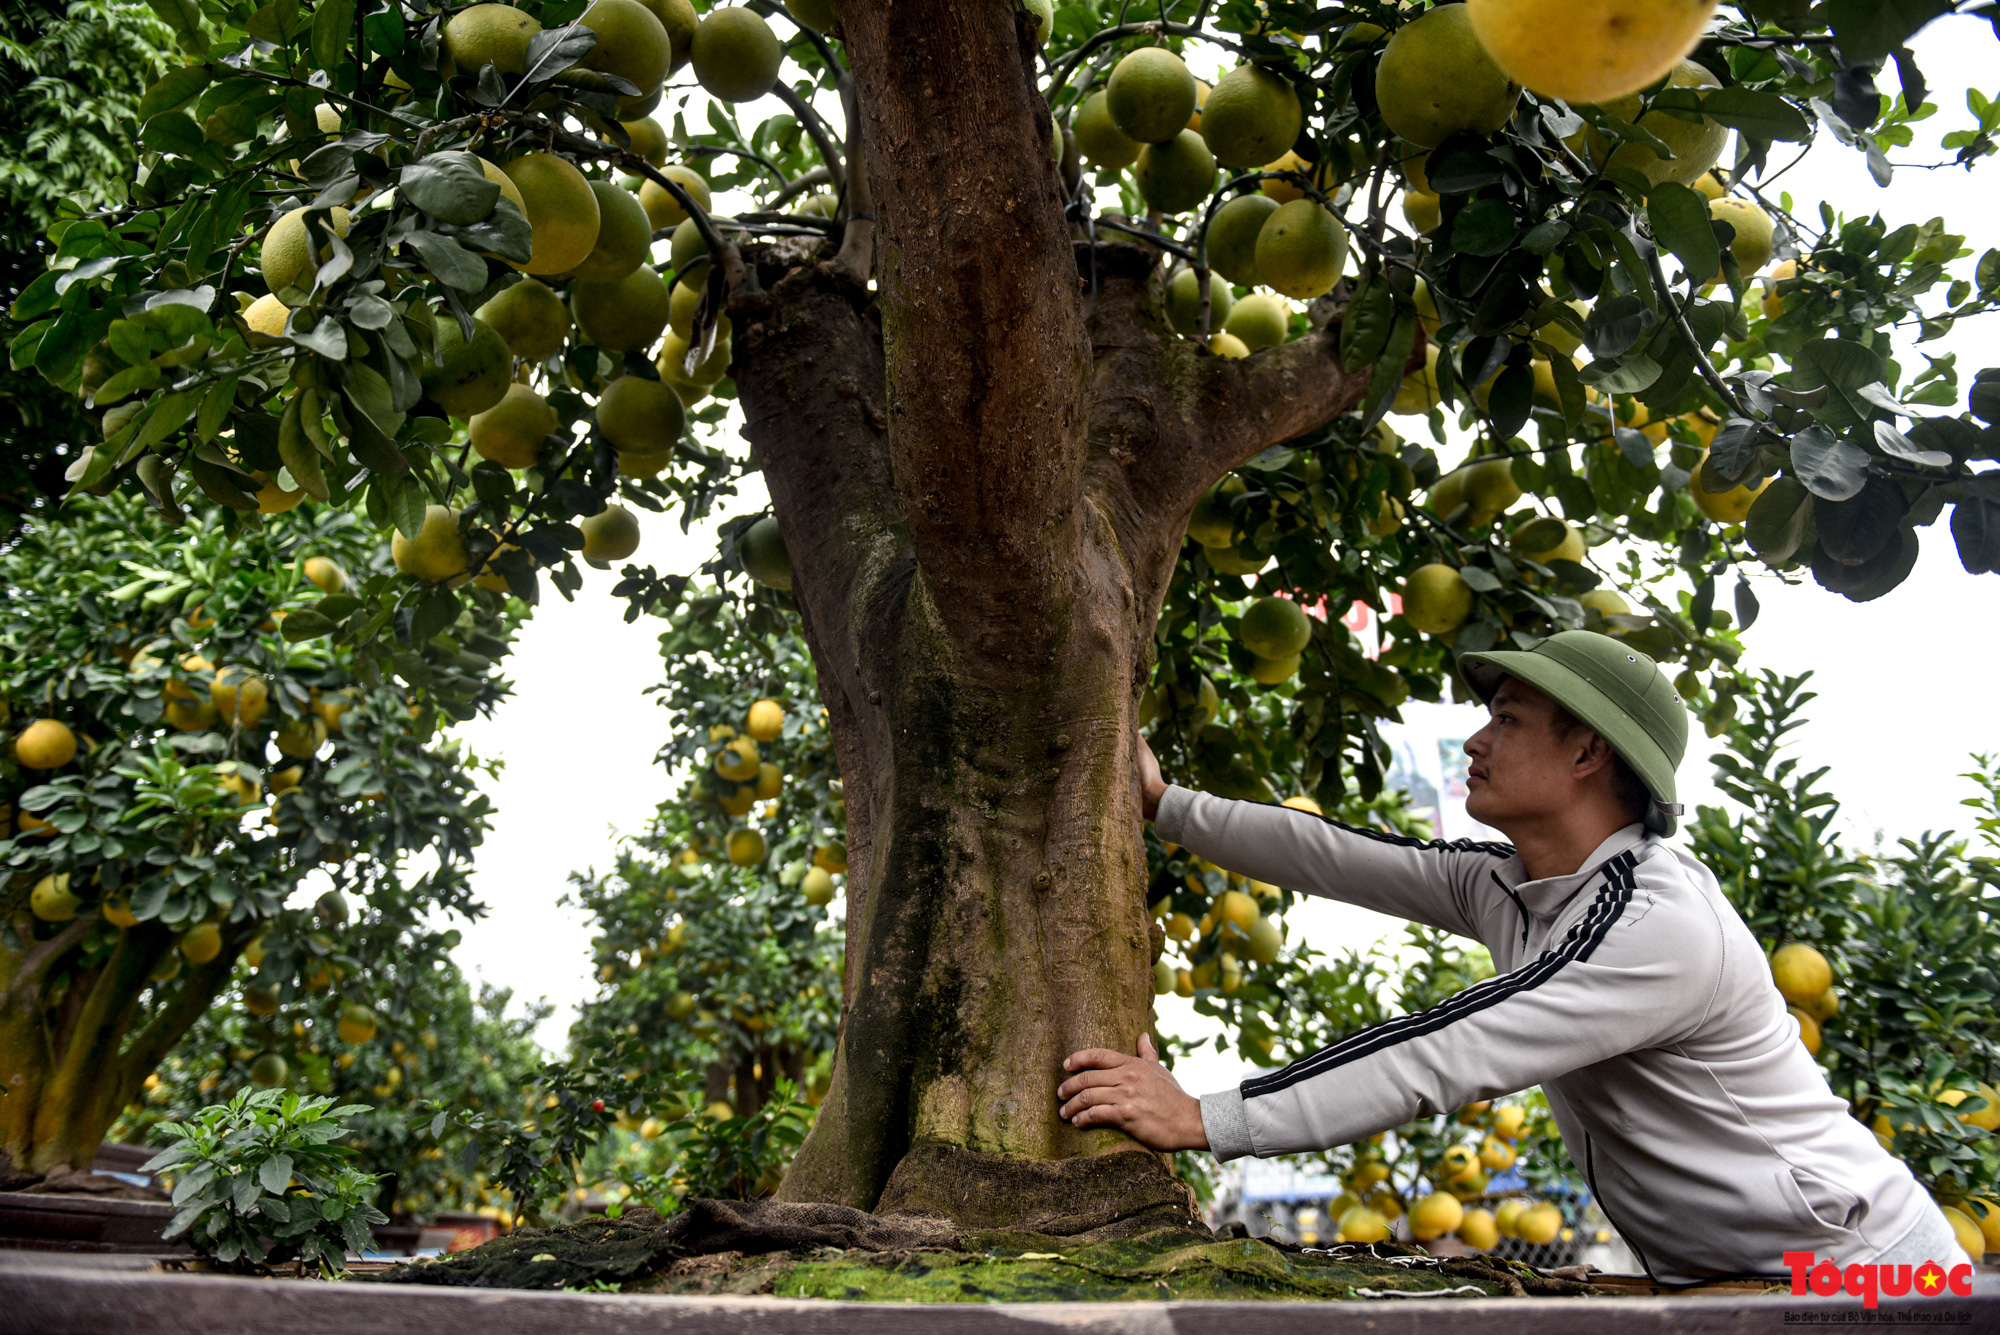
(175, 765)
(1042, 351)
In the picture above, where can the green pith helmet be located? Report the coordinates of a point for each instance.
(1616, 692)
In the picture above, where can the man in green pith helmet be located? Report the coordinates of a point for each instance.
(1628, 989)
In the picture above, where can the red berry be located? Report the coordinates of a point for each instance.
(597, 1105)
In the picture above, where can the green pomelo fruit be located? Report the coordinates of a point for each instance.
(624, 235)
(469, 377)
(1232, 237)
(1176, 175)
(623, 316)
(530, 318)
(1251, 117)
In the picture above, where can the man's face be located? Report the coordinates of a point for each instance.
(1520, 767)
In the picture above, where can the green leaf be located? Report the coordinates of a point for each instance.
(215, 406)
(1832, 469)
(451, 187)
(305, 624)
(332, 33)
(1869, 30)
(1757, 115)
(1844, 367)
(1680, 222)
(169, 415)
(298, 453)
(175, 132)
(220, 485)
(173, 90)
(1484, 227)
(405, 501)
(434, 614)
(449, 262)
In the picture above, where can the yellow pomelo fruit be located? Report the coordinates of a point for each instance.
(1428, 318)
(511, 431)
(1478, 1231)
(1510, 1121)
(1284, 191)
(640, 416)
(1163, 977)
(1695, 145)
(1419, 391)
(290, 256)
(470, 377)
(1987, 1118)
(739, 802)
(273, 499)
(188, 716)
(1547, 540)
(1212, 524)
(1967, 1230)
(737, 760)
(1606, 602)
(687, 253)
(1587, 51)
(495, 35)
(357, 1024)
(1436, 599)
(301, 739)
(261, 1000)
(1539, 1224)
(673, 357)
(1266, 941)
(632, 44)
(561, 209)
(45, 744)
(1800, 972)
(1274, 628)
(680, 20)
(201, 943)
(266, 316)
(1435, 1215)
(765, 721)
(649, 140)
(1422, 212)
(1388, 519)
(117, 911)
(1225, 344)
(1250, 117)
(1303, 803)
(1260, 320)
(1460, 1160)
(326, 118)
(530, 318)
(240, 697)
(682, 303)
(270, 1069)
(819, 15)
(746, 847)
(624, 232)
(1150, 95)
(1232, 237)
(1724, 507)
(1752, 243)
(1435, 79)
(1774, 302)
(51, 900)
(622, 316)
(612, 534)
(1358, 1223)
(1496, 1154)
(736, 55)
(817, 886)
(770, 781)
(1301, 249)
(1507, 1215)
(1415, 164)
(832, 856)
(508, 190)
(1273, 671)
(1236, 560)
(765, 559)
(437, 553)
(325, 574)
(1176, 174)
(662, 209)
(681, 1005)
(1184, 302)
(1102, 144)
(1237, 908)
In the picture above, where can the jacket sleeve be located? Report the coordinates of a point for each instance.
(1621, 979)
(1444, 885)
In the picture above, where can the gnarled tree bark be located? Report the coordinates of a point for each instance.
(983, 476)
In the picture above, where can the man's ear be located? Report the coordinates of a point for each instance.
(1596, 754)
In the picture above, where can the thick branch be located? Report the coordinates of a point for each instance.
(982, 327)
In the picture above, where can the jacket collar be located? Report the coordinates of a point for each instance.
(1550, 895)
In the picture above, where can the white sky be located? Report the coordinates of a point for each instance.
(1904, 682)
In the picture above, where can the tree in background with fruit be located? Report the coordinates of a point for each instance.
(183, 753)
(1887, 959)
(1044, 347)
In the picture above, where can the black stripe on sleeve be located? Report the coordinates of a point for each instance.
(1492, 848)
(1578, 944)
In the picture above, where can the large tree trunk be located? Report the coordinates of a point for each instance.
(68, 1054)
(983, 475)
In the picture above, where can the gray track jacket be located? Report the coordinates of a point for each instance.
(1631, 992)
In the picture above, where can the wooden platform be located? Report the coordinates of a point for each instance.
(74, 1300)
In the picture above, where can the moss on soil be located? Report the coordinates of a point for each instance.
(1161, 1265)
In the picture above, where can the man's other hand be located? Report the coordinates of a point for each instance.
(1151, 786)
(1136, 1095)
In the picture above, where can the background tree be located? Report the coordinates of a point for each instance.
(151, 704)
(982, 462)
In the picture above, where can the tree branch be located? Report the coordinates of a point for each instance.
(36, 961)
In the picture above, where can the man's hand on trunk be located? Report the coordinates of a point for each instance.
(1136, 1095)
(1151, 786)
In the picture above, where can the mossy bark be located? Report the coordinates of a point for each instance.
(983, 470)
(73, 1051)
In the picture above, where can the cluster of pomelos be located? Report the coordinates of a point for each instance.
(1369, 1209)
